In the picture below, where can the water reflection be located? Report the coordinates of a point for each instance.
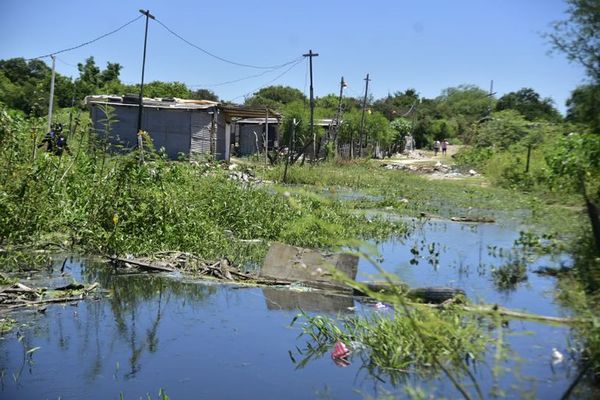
(444, 253)
(285, 299)
(197, 340)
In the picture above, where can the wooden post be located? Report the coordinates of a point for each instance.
(289, 154)
(267, 137)
(212, 146)
(528, 158)
(362, 118)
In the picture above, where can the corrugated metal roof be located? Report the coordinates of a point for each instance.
(150, 102)
(231, 111)
(257, 121)
(235, 111)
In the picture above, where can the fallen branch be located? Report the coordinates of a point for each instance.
(144, 265)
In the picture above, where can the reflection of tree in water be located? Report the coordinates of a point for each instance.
(129, 296)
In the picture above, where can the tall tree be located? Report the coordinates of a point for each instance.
(579, 35)
(470, 101)
(397, 105)
(529, 103)
(275, 97)
(204, 94)
(584, 106)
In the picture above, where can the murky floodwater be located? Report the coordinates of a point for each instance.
(197, 340)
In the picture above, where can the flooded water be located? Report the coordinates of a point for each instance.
(463, 255)
(208, 341)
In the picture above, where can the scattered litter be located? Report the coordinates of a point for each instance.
(340, 354)
(299, 287)
(557, 356)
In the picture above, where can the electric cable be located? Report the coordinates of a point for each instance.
(305, 84)
(271, 81)
(221, 58)
(88, 42)
(66, 63)
(235, 80)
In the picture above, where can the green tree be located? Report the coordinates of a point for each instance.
(161, 89)
(25, 85)
(204, 94)
(470, 101)
(397, 105)
(530, 104)
(92, 80)
(297, 111)
(579, 35)
(503, 129)
(275, 97)
(584, 106)
(400, 128)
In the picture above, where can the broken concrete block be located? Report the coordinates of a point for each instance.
(297, 264)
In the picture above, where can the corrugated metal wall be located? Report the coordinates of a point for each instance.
(220, 137)
(178, 131)
(247, 138)
(169, 129)
(200, 133)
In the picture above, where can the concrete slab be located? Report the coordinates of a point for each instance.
(297, 264)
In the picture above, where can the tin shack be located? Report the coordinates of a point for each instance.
(188, 128)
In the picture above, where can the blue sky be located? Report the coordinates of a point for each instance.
(427, 45)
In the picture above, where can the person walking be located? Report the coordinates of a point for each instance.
(444, 147)
(436, 147)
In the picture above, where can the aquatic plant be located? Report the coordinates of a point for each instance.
(509, 275)
(396, 344)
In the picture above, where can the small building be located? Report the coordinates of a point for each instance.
(250, 133)
(188, 128)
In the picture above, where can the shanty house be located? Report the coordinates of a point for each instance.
(190, 128)
(250, 133)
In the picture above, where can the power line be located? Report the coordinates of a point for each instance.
(271, 81)
(221, 58)
(235, 80)
(88, 42)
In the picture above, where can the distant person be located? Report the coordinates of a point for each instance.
(444, 146)
(50, 138)
(436, 147)
(61, 144)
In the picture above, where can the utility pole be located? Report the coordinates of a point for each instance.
(51, 100)
(362, 118)
(141, 104)
(491, 96)
(310, 56)
(339, 116)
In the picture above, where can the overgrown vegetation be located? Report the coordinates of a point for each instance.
(115, 204)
